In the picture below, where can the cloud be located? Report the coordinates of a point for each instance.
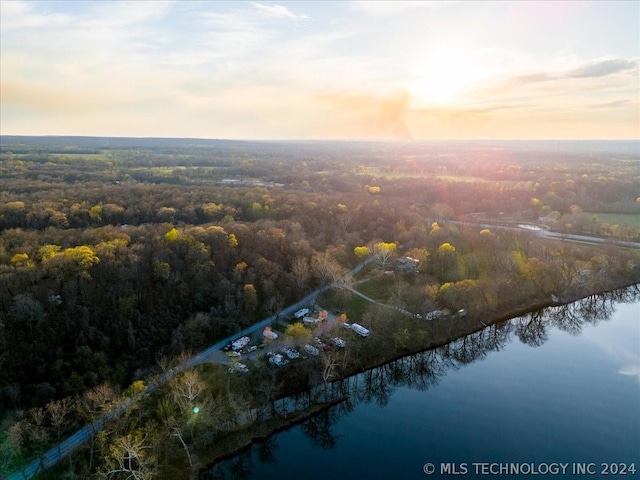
(602, 68)
(383, 8)
(278, 11)
(530, 78)
(631, 371)
(611, 105)
(20, 15)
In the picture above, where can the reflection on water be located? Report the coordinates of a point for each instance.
(568, 395)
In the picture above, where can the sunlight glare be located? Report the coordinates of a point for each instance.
(445, 74)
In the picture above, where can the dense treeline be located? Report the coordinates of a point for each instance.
(108, 253)
(113, 256)
(50, 188)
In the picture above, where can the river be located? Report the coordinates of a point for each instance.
(553, 394)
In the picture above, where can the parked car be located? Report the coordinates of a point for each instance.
(311, 350)
(278, 360)
(253, 348)
(238, 368)
(338, 342)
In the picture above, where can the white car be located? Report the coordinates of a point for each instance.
(338, 342)
(252, 349)
(238, 368)
(346, 325)
(311, 350)
(241, 367)
(277, 360)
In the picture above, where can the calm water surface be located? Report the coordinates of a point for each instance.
(573, 398)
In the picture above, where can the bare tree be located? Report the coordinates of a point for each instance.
(185, 388)
(301, 272)
(175, 430)
(130, 457)
(383, 252)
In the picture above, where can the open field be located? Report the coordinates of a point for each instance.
(629, 219)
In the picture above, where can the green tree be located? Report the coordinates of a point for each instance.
(298, 332)
(172, 235)
(95, 213)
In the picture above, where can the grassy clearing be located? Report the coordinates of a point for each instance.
(353, 306)
(630, 219)
(379, 288)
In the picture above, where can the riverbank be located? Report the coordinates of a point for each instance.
(444, 331)
(235, 442)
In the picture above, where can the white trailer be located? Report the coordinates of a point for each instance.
(301, 313)
(240, 343)
(310, 321)
(360, 330)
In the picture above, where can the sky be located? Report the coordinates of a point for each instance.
(321, 70)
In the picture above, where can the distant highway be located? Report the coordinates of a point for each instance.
(545, 233)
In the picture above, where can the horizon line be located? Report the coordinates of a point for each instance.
(292, 140)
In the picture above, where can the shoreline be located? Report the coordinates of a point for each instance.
(243, 438)
(259, 432)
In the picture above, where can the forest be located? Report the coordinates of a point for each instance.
(120, 256)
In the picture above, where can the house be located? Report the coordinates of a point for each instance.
(407, 264)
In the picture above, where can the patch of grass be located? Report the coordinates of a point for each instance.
(378, 288)
(353, 306)
(630, 219)
(366, 271)
(215, 377)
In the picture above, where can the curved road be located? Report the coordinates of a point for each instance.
(66, 447)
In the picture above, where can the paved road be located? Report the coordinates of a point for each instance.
(211, 354)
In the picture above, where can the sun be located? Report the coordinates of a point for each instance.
(445, 74)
